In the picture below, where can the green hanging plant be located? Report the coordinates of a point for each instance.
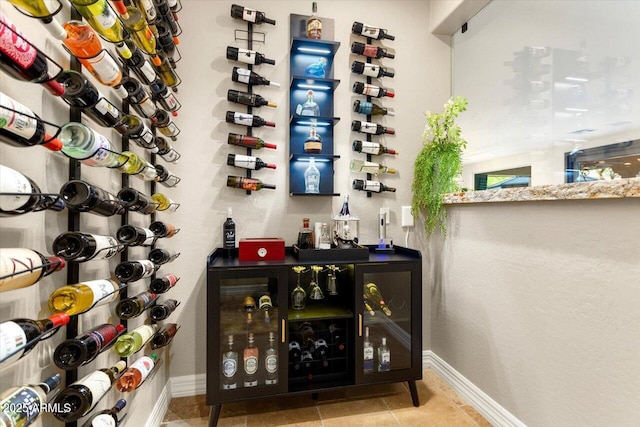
(438, 164)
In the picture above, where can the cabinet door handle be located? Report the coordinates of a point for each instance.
(282, 334)
(360, 324)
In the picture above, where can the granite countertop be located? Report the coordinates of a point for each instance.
(615, 189)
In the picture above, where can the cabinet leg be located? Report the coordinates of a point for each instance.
(414, 393)
(214, 414)
(314, 396)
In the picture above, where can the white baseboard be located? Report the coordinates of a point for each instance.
(188, 385)
(160, 408)
(479, 400)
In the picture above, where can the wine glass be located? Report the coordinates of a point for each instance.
(298, 295)
(315, 293)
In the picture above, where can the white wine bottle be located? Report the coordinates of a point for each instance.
(369, 167)
(90, 147)
(131, 342)
(27, 196)
(80, 297)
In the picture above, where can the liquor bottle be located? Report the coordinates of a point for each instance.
(135, 374)
(306, 239)
(164, 96)
(20, 336)
(136, 201)
(247, 183)
(138, 131)
(85, 45)
(133, 235)
(130, 271)
(314, 24)
(247, 56)
(137, 63)
(84, 348)
(372, 90)
(309, 107)
(85, 144)
(246, 119)
(368, 305)
(373, 148)
(80, 92)
(370, 51)
(367, 363)
(249, 142)
(250, 362)
(344, 210)
(312, 178)
(371, 186)
(384, 357)
(79, 398)
(250, 99)
(313, 143)
(160, 285)
(27, 196)
(370, 70)
(371, 128)
(271, 361)
(139, 31)
(248, 162)
(166, 151)
(369, 167)
(163, 229)
(162, 256)
(107, 417)
(167, 74)
(164, 203)
(102, 18)
(166, 15)
(138, 97)
(21, 405)
(80, 297)
(164, 336)
(250, 15)
(248, 308)
(131, 342)
(22, 61)
(133, 307)
(138, 167)
(80, 247)
(80, 196)
(322, 349)
(162, 311)
(325, 239)
(265, 304)
(372, 293)
(294, 354)
(229, 234)
(44, 12)
(370, 31)
(230, 366)
(248, 77)
(369, 108)
(22, 127)
(26, 267)
(162, 121)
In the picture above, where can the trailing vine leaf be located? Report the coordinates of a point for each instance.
(438, 164)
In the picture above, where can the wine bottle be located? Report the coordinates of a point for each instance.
(22, 61)
(164, 336)
(162, 256)
(369, 167)
(80, 92)
(85, 144)
(26, 267)
(165, 15)
(107, 417)
(245, 119)
(164, 203)
(22, 127)
(80, 247)
(250, 362)
(371, 186)
(250, 99)
(322, 349)
(79, 398)
(384, 357)
(367, 363)
(138, 97)
(139, 31)
(162, 121)
(84, 348)
(131, 271)
(162, 311)
(165, 41)
(250, 15)
(230, 367)
(372, 128)
(313, 143)
(370, 51)
(247, 56)
(80, 297)
(314, 24)
(373, 148)
(136, 130)
(371, 70)
(369, 108)
(337, 336)
(248, 162)
(166, 151)
(101, 17)
(247, 183)
(137, 63)
(133, 307)
(148, 11)
(229, 234)
(163, 229)
(80, 196)
(249, 142)
(164, 96)
(248, 307)
(27, 197)
(294, 354)
(370, 31)
(372, 90)
(165, 177)
(20, 336)
(133, 235)
(138, 167)
(131, 342)
(271, 361)
(248, 77)
(136, 201)
(312, 178)
(265, 304)
(40, 9)
(21, 405)
(135, 375)
(372, 293)
(167, 74)
(160, 285)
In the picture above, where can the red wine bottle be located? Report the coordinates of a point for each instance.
(84, 348)
(162, 311)
(248, 162)
(245, 119)
(162, 256)
(164, 97)
(136, 201)
(138, 97)
(247, 183)
(372, 128)
(373, 148)
(22, 127)
(164, 41)
(250, 15)
(371, 90)
(250, 99)
(27, 195)
(248, 77)
(163, 229)
(80, 247)
(19, 336)
(370, 51)
(370, 31)
(80, 196)
(166, 15)
(133, 235)
(164, 336)
(160, 285)
(247, 56)
(129, 308)
(371, 70)
(249, 141)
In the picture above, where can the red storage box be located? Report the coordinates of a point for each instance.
(261, 249)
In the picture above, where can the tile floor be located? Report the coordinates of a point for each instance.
(380, 405)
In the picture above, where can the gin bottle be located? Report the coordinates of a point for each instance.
(230, 367)
(312, 178)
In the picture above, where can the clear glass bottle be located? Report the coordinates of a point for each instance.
(131, 342)
(314, 24)
(230, 367)
(91, 148)
(312, 178)
(80, 297)
(384, 357)
(325, 238)
(135, 375)
(250, 362)
(271, 361)
(368, 353)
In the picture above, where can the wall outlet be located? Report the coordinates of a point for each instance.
(407, 218)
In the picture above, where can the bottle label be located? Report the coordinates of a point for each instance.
(243, 119)
(105, 67)
(148, 268)
(103, 14)
(229, 367)
(171, 156)
(371, 90)
(146, 135)
(103, 335)
(106, 247)
(244, 75)
(372, 186)
(370, 147)
(145, 332)
(271, 363)
(370, 167)
(368, 353)
(371, 70)
(314, 28)
(242, 161)
(12, 181)
(385, 357)
(15, 261)
(249, 15)
(12, 338)
(147, 107)
(103, 420)
(247, 56)
(173, 279)
(101, 149)
(170, 129)
(370, 50)
(102, 288)
(13, 121)
(172, 102)
(369, 31)
(15, 46)
(149, 10)
(368, 127)
(98, 383)
(251, 365)
(26, 402)
(105, 107)
(145, 365)
(147, 70)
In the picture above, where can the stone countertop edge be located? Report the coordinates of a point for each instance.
(614, 189)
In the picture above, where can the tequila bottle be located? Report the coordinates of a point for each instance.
(368, 353)
(384, 357)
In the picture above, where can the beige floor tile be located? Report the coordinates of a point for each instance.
(240, 421)
(475, 415)
(437, 411)
(186, 408)
(378, 419)
(347, 408)
(300, 417)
